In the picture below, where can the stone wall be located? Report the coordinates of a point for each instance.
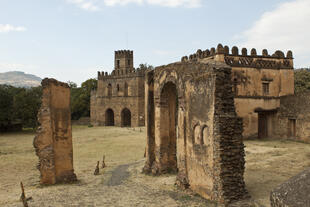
(119, 95)
(117, 101)
(193, 129)
(258, 80)
(293, 193)
(293, 118)
(53, 141)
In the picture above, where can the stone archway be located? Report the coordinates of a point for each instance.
(168, 126)
(126, 118)
(109, 117)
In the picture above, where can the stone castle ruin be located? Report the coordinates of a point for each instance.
(263, 88)
(196, 112)
(119, 98)
(193, 129)
(259, 82)
(53, 141)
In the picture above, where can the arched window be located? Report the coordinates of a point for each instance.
(109, 90)
(125, 89)
(197, 134)
(205, 135)
(117, 87)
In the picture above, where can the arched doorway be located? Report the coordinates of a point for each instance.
(109, 117)
(168, 126)
(126, 117)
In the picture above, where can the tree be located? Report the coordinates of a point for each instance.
(19, 105)
(145, 66)
(80, 99)
(72, 84)
(26, 105)
(302, 80)
(6, 109)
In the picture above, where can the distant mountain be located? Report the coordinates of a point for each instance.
(19, 79)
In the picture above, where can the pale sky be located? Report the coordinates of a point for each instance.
(73, 39)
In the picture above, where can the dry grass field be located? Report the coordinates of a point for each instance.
(268, 163)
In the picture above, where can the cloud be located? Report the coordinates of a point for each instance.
(5, 28)
(89, 5)
(176, 3)
(122, 2)
(285, 28)
(96, 5)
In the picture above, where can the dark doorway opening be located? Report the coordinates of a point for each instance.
(109, 117)
(291, 128)
(126, 117)
(262, 125)
(168, 126)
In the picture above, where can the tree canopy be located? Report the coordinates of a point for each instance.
(19, 105)
(22, 104)
(302, 80)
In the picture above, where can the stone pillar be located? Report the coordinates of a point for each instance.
(53, 141)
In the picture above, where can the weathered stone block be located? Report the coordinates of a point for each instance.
(293, 193)
(53, 141)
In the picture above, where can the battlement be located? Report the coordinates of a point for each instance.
(121, 73)
(252, 60)
(123, 53)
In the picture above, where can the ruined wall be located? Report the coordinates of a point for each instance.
(117, 92)
(198, 132)
(53, 141)
(249, 82)
(251, 73)
(245, 108)
(293, 118)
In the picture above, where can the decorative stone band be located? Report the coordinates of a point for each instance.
(276, 61)
(250, 62)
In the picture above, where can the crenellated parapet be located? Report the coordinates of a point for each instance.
(251, 59)
(121, 73)
(123, 53)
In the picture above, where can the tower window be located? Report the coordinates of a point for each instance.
(128, 61)
(265, 88)
(109, 90)
(117, 87)
(117, 63)
(125, 89)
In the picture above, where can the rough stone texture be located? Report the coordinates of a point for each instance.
(293, 193)
(53, 141)
(249, 74)
(119, 98)
(293, 118)
(193, 129)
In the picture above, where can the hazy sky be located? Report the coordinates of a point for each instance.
(73, 39)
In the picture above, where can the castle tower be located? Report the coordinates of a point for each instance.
(123, 60)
